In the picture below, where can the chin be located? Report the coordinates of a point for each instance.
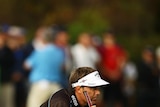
(94, 102)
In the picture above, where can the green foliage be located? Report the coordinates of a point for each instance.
(136, 21)
(87, 21)
(135, 44)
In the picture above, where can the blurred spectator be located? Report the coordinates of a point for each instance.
(18, 33)
(130, 75)
(158, 62)
(35, 44)
(111, 66)
(16, 41)
(84, 53)
(46, 64)
(96, 41)
(7, 90)
(61, 39)
(148, 92)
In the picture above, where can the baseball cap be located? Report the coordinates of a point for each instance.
(91, 80)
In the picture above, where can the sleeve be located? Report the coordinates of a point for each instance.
(31, 60)
(55, 103)
(60, 103)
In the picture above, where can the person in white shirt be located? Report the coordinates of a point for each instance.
(83, 53)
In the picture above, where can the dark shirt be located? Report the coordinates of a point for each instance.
(61, 98)
(6, 64)
(27, 50)
(148, 76)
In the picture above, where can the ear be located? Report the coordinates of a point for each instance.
(78, 89)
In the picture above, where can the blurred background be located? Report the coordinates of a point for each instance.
(133, 20)
(135, 24)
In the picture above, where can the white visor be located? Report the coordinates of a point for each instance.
(91, 80)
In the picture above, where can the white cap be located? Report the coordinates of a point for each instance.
(91, 80)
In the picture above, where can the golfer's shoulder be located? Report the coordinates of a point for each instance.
(61, 94)
(59, 99)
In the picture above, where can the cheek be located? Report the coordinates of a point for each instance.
(92, 94)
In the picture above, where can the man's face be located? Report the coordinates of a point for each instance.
(85, 39)
(62, 38)
(109, 39)
(93, 93)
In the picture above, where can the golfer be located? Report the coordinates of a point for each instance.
(84, 90)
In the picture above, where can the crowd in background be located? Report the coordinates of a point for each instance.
(30, 71)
